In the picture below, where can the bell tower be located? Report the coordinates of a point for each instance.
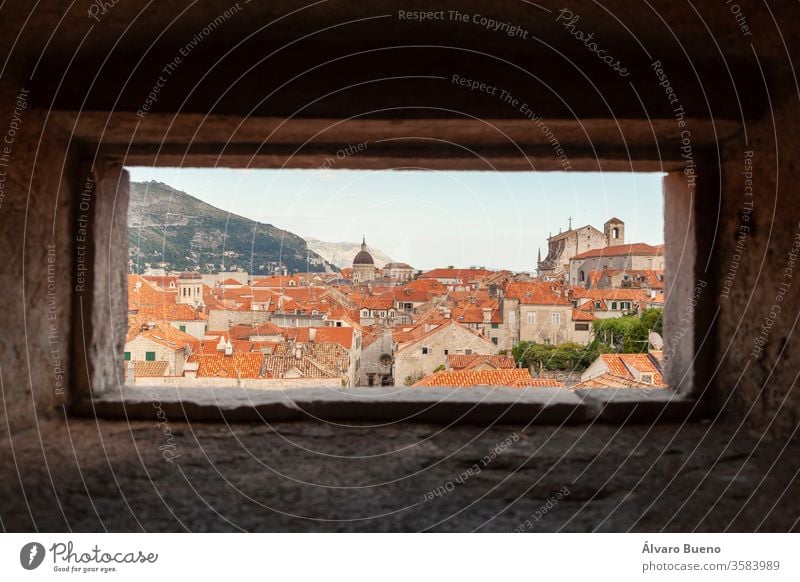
(614, 230)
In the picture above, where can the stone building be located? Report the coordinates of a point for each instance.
(419, 357)
(633, 257)
(363, 265)
(190, 289)
(535, 312)
(165, 344)
(565, 245)
(399, 272)
(377, 359)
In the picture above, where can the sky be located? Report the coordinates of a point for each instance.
(431, 219)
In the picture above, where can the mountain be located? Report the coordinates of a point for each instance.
(341, 253)
(169, 226)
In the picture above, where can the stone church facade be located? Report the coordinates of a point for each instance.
(565, 245)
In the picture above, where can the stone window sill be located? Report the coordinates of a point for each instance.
(480, 405)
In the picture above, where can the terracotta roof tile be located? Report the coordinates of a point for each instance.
(582, 315)
(281, 366)
(609, 380)
(466, 275)
(622, 250)
(470, 361)
(329, 356)
(146, 369)
(339, 335)
(534, 293)
(237, 365)
(619, 364)
(516, 377)
(168, 337)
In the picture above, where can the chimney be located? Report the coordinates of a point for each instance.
(221, 344)
(298, 351)
(190, 369)
(228, 348)
(312, 334)
(487, 315)
(129, 373)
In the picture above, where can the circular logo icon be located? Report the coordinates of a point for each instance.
(31, 555)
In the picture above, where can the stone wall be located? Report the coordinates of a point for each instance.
(36, 252)
(542, 328)
(754, 261)
(139, 346)
(732, 291)
(411, 362)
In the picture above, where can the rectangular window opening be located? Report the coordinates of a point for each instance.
(273, 279)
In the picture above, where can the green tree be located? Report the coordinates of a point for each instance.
(566, 357)
(629, 333)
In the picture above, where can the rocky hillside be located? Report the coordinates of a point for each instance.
(171, 227)
(341, 253)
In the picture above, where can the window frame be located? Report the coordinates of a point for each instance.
(93, 375)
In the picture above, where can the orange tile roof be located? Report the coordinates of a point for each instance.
(440, 328)
(594, 278)
(237, 365)
(146, 369)
(277, 282)
(622, 250)
(582, 315)
(378, 302)
(329, 356)
(407, 332)
(463, 274)
(142, 292)
(611, 294)
(474, 314)
(246, 331)
(430, 285)
(339, 335)
(305, 294)
(171, 312)
(469, 361)
(618, 364)
(609, 380)
(534, 293)
(516, 377)
(413, 294)
(168, 337)
(163, 282)
(279, 366)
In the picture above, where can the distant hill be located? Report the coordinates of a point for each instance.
(341, 253)
(172, 227)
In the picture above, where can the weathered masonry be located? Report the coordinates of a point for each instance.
(707, 97)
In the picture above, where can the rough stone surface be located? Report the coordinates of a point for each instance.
(87, 475)
(309, 476)
(36, 254)
(482, 404)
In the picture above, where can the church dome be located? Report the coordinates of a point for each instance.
(363, 257)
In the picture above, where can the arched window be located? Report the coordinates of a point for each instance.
(582, 277)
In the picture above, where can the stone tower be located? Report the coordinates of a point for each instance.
(614, 230)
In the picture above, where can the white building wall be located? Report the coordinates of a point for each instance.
(139, 346)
